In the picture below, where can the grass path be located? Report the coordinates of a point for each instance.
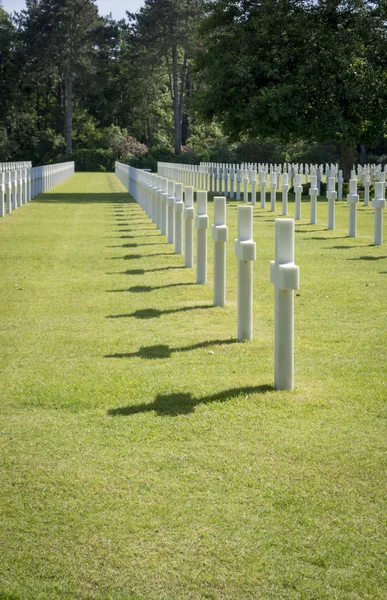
(144, 453)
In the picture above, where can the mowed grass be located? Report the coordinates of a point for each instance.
(145, 453)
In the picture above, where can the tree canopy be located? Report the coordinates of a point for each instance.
(192, 71)
(297, 69)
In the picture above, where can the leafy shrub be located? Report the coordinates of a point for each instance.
(124, 146)
(378, 160)
(93, 159)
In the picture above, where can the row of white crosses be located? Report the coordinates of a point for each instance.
(223, 178)
(284, 177)
(217, 177)
(13, 166)
(162, 199)
(21, 185)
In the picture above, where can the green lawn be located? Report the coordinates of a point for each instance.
(145, 453)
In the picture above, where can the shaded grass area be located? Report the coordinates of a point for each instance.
(145, 453)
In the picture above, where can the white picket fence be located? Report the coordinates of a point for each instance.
(20, 183)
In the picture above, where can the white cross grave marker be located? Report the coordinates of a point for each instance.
(220, 238)
(201, 237)
(284, 275)
(179, 209)
(379, 203)
(245, 251)
(189, 214)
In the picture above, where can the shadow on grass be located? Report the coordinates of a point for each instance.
(127, 220)
(136, 230)
(132, 256)
(139, 289)
(131, 212)
(328, 239)
(126, 257)
(127, 223)
(368, 258)
(128, 237)
(155, 313)
(164, 351)
(171, 405)
(309, 230)
(134, 245)
(109, 197)
(143, 271)
(349, 247)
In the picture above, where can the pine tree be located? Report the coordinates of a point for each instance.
(168, 30)
(59, 37)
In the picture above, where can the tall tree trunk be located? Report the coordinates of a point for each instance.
(69, 114)
(347, 158)
(69, 107)
(38, 104)
(176, 104)
(363, 155)
(185, 122)
(183, 84)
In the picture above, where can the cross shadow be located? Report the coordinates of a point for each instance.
(368, 258)
(132, 256)
(126, 257)
(327, 239)
(143, 271)
(164, 351)
(121, 212)
(309, 230)
(139, 289)
(132, 245)
(109, 197)
(153, 244)
(135, 245)
(155, 313)
(349, 247)
(128, 237)
(130, 221)
(172, 405)
(135, 230)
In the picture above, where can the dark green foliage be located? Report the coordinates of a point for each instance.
(93, 159)
(296, 69)
(164, 34)
(267, 80)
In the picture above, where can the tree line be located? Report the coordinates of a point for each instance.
(194, 80)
